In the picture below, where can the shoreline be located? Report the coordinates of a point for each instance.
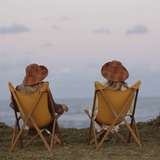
(76, 108)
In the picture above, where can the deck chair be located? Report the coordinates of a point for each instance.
(35, 114)
(112, 110)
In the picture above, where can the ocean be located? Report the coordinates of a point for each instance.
(147, 108)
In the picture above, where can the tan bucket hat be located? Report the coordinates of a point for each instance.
(35, 74)
(114, 71)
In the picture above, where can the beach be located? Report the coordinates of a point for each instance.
(75, 145)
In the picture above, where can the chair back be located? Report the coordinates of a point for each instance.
(25, 103)
(110, 102)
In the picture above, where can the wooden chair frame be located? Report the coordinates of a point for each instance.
(29, 117)
(110, 128)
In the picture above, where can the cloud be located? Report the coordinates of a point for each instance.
(47, 45)
(8, 64)
(13, 29)
(139, 29)
(91, 66)
(3, 54)
(64, 18)
(101, 31)
(65, 71)
(55, 27)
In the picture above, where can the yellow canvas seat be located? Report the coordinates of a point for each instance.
(35, 114)
(112, 110)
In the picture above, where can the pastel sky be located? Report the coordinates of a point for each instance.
(74, 38)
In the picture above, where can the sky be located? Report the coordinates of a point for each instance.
(75, 38)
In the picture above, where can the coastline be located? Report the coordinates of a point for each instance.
(76, 116)
(75, 145)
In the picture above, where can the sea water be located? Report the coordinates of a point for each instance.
(147, 108)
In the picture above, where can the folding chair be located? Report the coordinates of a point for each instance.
(35, 114)
(112, 110)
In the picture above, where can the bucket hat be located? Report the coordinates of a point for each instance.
(35, 74)
(114, 71)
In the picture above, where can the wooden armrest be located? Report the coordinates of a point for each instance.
(58, 115)
(87, 112)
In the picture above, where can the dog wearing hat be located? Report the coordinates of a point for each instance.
(116, 74)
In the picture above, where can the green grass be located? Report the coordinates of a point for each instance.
(76, 148)
(155, 121)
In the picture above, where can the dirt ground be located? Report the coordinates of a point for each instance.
(76, 148)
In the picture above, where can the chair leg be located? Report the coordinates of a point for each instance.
(120, 136)
(109, 130)
(129, 137)
(105, 136)
(59, 133)
(135, 126)
(97, 136)
(42, 137)
(19, 134)
(90, 130)
(94, 133)
(31, 140)
(14, 132)
(53, 130)
(133, 134)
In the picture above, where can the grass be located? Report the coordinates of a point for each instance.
(76, 148)
(155, 121)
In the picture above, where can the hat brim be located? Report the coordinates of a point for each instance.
(36, 79)
(113, 76)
